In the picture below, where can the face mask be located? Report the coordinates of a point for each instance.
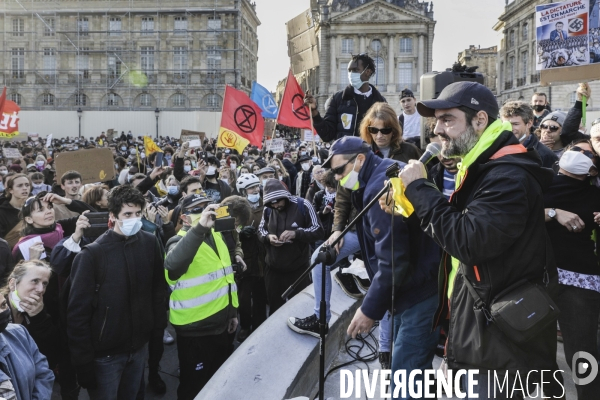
(302, 153)
(350, 181)
(211, 171)
(3, 172)
(131, 226)
(264, 183)
(1, 187)
(254, 198)
(225, 180)
(123, 148)
(172, 190)
(132, 151)
(16, 301)
(305, 166)
(355, 80)
(142, 155)
(575, 162)
(39, 163)
(315, 159)
(539, 107)
(129, 177)
(168, 157)
(116, 166)
(245, 154)
(194, 218)
(187, 168)
(280, 177)
(38, 186)
(50, 152)
(232, 165)
(4, 319)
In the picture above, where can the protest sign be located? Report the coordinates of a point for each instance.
(109, 134)
(309, 137)
(94, 165)
(187, 136)
(566, 35)
(10, 152)
(275, 145)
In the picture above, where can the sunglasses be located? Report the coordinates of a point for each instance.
(587, 153)
(551, 128)
(375, 131)
(196, 210)
(340, 170)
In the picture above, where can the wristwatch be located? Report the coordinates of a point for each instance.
(552, 212)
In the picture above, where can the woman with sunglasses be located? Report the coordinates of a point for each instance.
(570, 203)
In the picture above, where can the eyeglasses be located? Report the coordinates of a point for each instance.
(197, 210)
(551, 128)
(375, 131)
(340, 170)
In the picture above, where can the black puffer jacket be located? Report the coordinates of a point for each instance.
(495, 227)
(344, 105)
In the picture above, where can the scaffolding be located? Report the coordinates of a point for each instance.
(126, 54)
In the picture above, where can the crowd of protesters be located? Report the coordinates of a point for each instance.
(91, 307)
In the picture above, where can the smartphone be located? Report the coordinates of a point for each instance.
(224, 224)
(98, 222)
(159, 159)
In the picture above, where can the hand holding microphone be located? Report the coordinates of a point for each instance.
(416, 169)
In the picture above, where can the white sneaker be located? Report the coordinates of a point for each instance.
(167, 338)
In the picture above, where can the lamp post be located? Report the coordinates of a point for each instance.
(79, 113)
(156, 112)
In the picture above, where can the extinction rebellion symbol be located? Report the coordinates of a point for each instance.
(245, 118)
(299, 109)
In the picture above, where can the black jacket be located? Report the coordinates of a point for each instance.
(548, 157)
(570, 129)
(331, 126)
(319, 205)
(130, 301)
(495, 227)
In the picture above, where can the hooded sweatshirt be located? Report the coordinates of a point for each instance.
(299, 216)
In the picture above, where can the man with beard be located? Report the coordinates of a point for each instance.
(492, 232)
(539, 103)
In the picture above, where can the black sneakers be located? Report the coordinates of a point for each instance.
(307, 326)
(384, 359)
(363, 284)
(346, 282)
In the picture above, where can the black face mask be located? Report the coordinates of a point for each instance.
(4, 319)
(539, 107)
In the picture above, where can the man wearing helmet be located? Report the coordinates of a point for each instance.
(251, 289)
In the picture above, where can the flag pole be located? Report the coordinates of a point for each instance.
(312, 127)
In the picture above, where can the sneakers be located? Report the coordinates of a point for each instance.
(363, 284)
(346, 282)
(167, 338)
(307, 326)
(384, 359)
(243, 335)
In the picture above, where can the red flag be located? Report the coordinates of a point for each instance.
(9, 117)
(292, 110)
(242, 116)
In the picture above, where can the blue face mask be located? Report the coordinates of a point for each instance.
(172, 190)
(254, 198)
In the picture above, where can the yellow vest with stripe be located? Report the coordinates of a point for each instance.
(204, 289)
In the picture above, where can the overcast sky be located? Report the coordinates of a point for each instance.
(460, 23)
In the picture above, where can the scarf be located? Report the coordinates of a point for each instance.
(160, 188)
(488, 137)
(50, 239)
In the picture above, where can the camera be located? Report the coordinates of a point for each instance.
(238, 269)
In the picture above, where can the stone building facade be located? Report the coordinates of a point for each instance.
(127, 54)
(485, 59)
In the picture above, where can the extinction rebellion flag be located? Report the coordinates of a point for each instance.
(292, 111)
(241, 121)
(9, 117)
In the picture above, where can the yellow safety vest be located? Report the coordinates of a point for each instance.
(204, 289)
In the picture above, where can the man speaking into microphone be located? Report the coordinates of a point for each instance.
(411, 257)
(492, 231)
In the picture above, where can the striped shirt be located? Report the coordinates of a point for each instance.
(448, 188)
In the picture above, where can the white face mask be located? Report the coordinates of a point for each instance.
(225, 180)
(254, 198)
(39, 163)
(16, 301)
(355, 80)
(3, 172)
(232, 165)
(575, 162)
(350, 181)
(187, 168)
(131, 226)
(305, 166)
(211, 171)
(132, 151)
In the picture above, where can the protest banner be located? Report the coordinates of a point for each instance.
(275, 145)
(187, 136)
(94, 165)
(109, 134)
(10, 152)
(563, 35)
(307, 136)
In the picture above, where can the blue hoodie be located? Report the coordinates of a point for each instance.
(416, 256)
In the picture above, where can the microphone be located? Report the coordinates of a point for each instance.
(431, 151)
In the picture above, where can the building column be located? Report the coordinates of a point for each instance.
(421, 60)
(333, 46)
(391, 63)
(362, 42)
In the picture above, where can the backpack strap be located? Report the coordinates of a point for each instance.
(99, 270)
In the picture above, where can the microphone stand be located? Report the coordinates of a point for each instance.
(327, 256)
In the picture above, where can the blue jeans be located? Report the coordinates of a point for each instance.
(119, 376)
(414, 342)
(385, 340)
(349, 247)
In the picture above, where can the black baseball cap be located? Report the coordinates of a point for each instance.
(346, 145)
(192, 200)
(407, 93)
(468, 94)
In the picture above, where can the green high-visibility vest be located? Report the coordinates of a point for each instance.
(204, 289)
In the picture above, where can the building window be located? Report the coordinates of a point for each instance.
(49, 61)
(511, 73)
(147, 26)
(16, 97)
(47, 99)
(83, 62)
(524, 62)
(18, 63)
(18, 27)
(511, 39)
(112, 99)
(405, 71)
(214, 57)
(147, 60)
(347, 46)
(212, 100)
(178, 100)
(180, 61)
(379, 77)
(343, 78)
(49, 27)
(214, 23)
(406, 45)
(114, 26)
(80, 100)
(83, 26)
(180, 26)
(525, 32)
(114, 63)
(145, 100)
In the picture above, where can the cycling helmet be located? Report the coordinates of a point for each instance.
(246, 180)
